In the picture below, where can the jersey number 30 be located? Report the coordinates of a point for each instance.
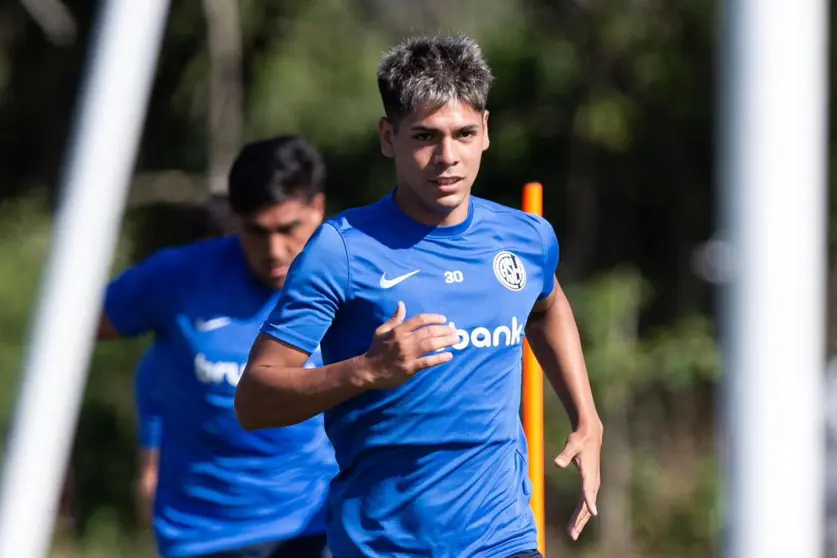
(454, 277)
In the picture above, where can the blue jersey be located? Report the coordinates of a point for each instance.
(437, 466)
(148, 403)
(220, 487)
(147, 396)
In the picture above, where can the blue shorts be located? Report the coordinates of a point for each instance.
(301, 547)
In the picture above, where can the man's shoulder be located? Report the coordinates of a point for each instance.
(357, 218)
(201, 251)
(362, 222)
(502, 217)
(187, 262)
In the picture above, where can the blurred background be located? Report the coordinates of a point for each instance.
(608, 104)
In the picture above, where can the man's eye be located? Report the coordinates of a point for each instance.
(423, 137)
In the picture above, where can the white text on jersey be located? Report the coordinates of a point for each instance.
(481, 337)
(209, 372)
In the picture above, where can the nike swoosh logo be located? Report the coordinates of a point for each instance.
(389, 283)
(213, 324)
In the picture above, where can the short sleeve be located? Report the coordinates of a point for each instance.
(551, 255)
(139, 299)
(147, 397)
(316, 287)
(315, 360)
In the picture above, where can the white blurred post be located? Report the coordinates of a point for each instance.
(100, 162)
(774, 207)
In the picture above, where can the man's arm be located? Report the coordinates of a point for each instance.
(146, 489)
(275, 390)
(554, 338)
(553, 335)
(150, 428)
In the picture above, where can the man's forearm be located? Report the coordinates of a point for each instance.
(273, 397)
(553, 335)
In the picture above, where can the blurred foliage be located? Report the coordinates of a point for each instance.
(608, 104)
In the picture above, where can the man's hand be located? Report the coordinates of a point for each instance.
(402, 349)
(583, 448)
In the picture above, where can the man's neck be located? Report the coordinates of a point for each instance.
(415, 210)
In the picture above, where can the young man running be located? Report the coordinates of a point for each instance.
(222, 491)
(420, 302)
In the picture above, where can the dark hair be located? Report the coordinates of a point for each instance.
(429, 72)
(273, 171)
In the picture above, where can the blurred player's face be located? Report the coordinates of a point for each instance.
(272, 237)
(437, 156)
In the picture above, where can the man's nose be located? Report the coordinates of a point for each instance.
(277, 247)
(446, 153)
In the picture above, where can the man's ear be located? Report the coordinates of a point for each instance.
(318, 205)
(485, 139)
(385, 132)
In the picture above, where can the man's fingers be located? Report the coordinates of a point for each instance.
(431, 331)
(579, 519)
(431, 361)
(590, 490)
(590, 494)
(436, 344)
(566, 457)
(433, 338)
(422, 320)
(396, 319)
(400, 313)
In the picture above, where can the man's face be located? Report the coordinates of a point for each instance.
(437, 153)
(273, 236)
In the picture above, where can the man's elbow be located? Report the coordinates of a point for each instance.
(244, 410)
(254, 411)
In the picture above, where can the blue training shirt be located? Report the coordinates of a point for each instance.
(147, 398)
(220, 487)
(437, 466)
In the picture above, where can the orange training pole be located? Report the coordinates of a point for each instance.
(533, 398)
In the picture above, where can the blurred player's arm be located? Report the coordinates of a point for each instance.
(150, 427)
(146, 488)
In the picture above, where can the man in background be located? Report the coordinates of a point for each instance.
(222, 491)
